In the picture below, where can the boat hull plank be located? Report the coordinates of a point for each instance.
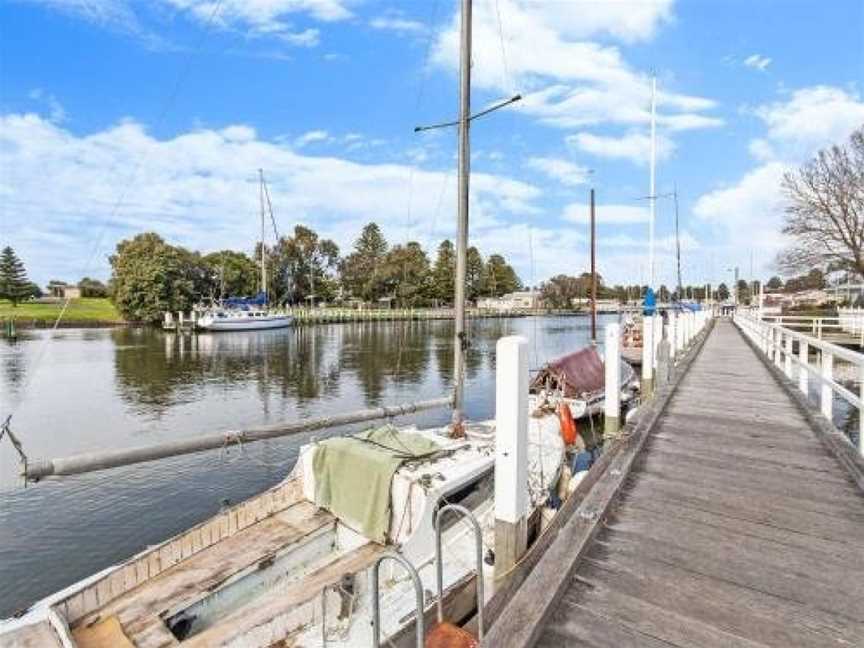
(138, 610)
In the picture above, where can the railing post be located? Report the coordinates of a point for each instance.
(657, 332)
(778, 347)
(826, 401)
(612, 403)
(673, 336)
(788, 359)
(647, 355)
(861, 410)
(511, 452)
(803, 373)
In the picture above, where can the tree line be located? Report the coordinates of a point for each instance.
(151, 276)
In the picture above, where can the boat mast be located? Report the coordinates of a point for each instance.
(460, 341)
(263, 252)
(652, 195)
(593, 273)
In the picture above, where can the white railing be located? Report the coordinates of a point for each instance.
(778, 342)
(848, 325)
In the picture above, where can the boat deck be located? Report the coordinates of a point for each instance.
(138, 611)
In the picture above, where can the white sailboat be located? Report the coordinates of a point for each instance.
(241, 314)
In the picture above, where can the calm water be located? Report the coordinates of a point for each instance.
(102, 389)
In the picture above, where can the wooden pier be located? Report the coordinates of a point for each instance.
(730, 516)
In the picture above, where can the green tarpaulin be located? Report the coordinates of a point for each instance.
(353, 475)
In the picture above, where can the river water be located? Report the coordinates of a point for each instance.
(97, 389)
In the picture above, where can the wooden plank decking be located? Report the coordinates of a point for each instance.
(735, 527)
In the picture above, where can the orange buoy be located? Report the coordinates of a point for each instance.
(568, 425)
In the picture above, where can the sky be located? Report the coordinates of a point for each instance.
(118, 117)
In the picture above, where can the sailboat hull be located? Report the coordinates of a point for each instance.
(250, 323)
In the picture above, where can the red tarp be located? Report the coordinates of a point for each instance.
(578, 374)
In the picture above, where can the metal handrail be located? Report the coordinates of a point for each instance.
(439, 564)
(776, 342)
(376, 604)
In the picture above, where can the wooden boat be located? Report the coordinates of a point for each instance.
(280, 568)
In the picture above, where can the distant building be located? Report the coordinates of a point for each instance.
(63, 291)
(521, 300)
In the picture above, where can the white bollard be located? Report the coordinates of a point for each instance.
(180, 319)
(658, 336)
(511, 451)
(787, 365)
(612, 404)
(648, 348)
(673, 336)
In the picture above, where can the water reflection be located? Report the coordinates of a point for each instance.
(113, 388)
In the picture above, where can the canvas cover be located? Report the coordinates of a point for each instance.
(353, 475)
(579, 375)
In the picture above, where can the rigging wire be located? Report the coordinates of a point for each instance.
(169, 104)
(508, 80)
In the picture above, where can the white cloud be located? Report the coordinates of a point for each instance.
(757, 62)
(812, 118)
(397, 24)
(563, 171)
(199, 189)
(634, 146)
(749, 212)
(311, 137)
(568, 81)
(56, 112)
(607, 214)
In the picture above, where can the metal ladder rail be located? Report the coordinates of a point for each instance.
(439, 566)
(376, 603)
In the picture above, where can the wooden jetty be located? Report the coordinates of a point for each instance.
(730, 515)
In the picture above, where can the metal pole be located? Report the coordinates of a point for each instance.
(593, 273)
(93, 461)
(460, 342)
(263, 256)
(652, 197)
(677, 242)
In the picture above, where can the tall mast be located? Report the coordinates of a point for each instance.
(677, 241)
(652, 194)
(460, 342)
(263, 253)
(593, 273)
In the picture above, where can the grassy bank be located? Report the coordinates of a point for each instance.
(81, 312)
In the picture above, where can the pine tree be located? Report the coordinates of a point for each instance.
(14, 284)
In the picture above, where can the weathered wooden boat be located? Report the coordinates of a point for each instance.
(294, 565)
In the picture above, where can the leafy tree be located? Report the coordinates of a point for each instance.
(361, 271)
(560, 291)
(501, 278)
(774, 283)
(14, 284)
(663, 293)
(475, 276)
(303, 267)
(825, 210)
(406, 270)
(444, 273)
(234, 274)
(92, 288)
(34, 290)
(149, 277)
(743, 291)
(722, 292)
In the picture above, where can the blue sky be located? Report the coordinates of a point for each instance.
(119, 116)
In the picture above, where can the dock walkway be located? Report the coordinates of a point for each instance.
(735, 526)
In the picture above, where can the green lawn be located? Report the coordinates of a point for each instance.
(80, 310)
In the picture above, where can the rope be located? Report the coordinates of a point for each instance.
(6, 429)
(508, 81)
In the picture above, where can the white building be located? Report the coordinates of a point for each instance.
(521, 300)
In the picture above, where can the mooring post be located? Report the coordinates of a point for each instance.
(664, 359)
(672, 335)
(647, 355)
(657, 332)
(169, 320)
(180, 319)
(511, 452)
(612, 403)
(788, 360)
(861, 410)
(778, 347)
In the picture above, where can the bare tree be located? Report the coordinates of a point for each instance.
(825, 211)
